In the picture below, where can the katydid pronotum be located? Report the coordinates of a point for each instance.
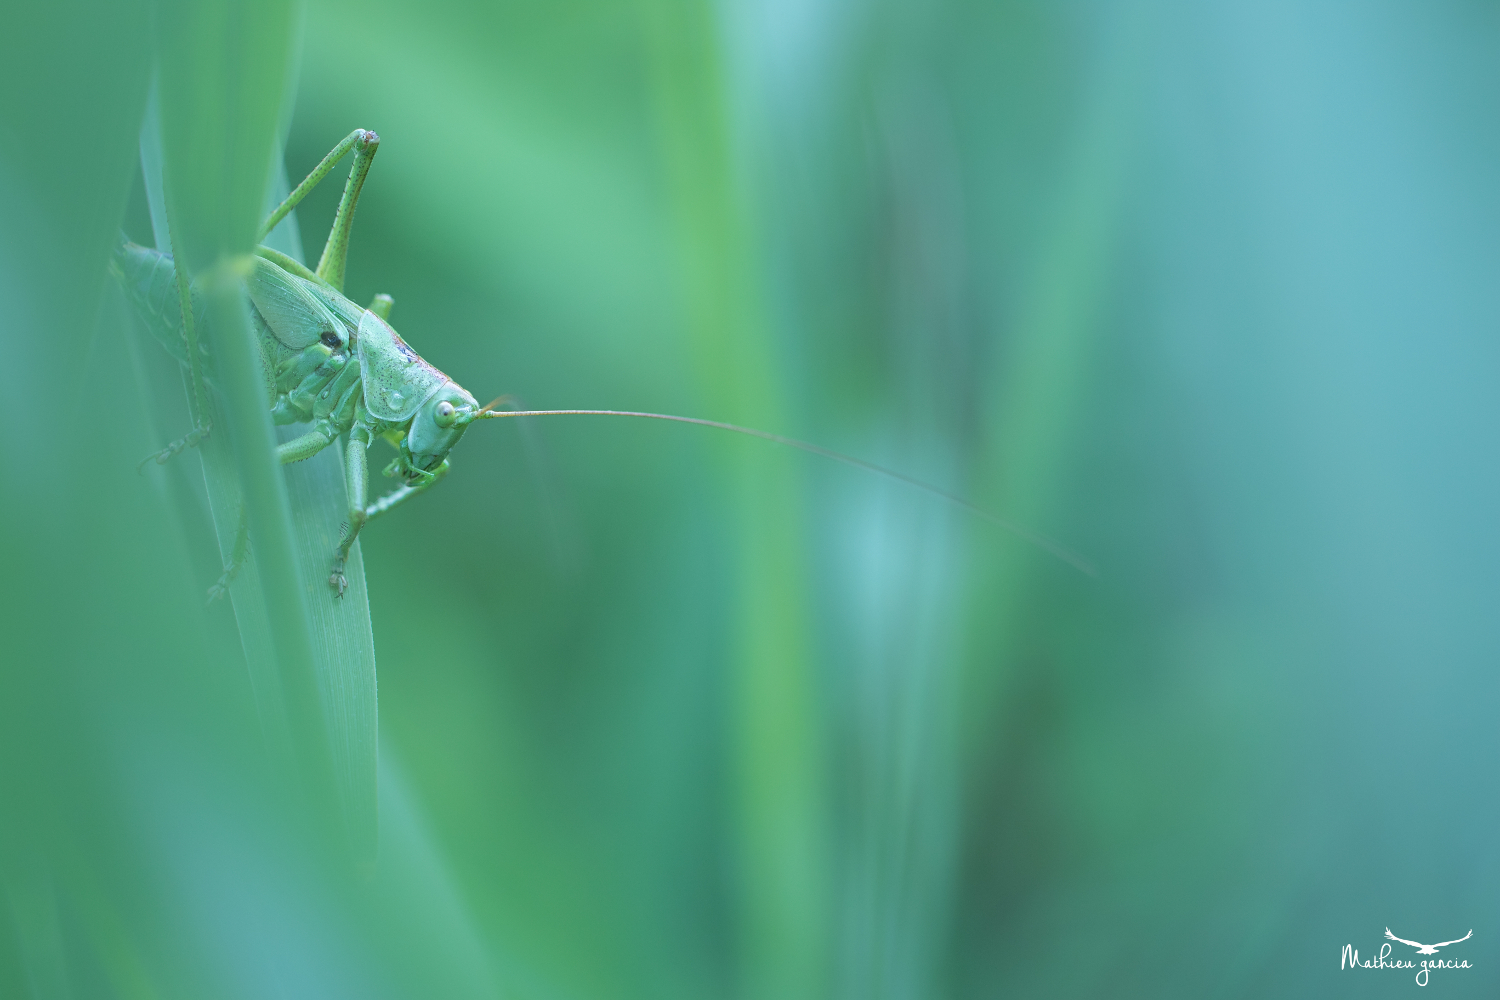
(342, 368)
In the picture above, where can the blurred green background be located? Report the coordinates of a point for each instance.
(1199, 289)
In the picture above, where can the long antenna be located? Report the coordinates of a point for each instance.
(1060, 551)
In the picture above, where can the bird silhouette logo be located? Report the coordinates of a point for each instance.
(1428, 949)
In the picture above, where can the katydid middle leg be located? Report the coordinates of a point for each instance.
(357, 483)
(298, 449)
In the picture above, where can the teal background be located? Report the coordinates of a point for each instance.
(1204, 291)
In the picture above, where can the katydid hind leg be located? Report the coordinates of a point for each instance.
(198, 397)
(189, 440)
(199, 400)
(312, 180)
(237, 556)
(382, 305)
(336, 251)
(357, 484)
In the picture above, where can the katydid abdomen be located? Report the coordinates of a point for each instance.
(149, 281)
(303, 384)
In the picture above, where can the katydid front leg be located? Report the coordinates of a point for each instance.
(405, 493)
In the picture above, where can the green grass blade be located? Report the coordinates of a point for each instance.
(779, 765)
(342, 645)
(223, 70)
(1044, 377)
(222, 485)
(343, 648)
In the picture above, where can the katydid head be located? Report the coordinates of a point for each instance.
(437, 426)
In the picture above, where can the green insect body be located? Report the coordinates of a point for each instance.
(341, 368)
(327, 361)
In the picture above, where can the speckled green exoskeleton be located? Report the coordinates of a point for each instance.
(341, 368)
(327, 361)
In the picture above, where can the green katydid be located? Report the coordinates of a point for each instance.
(343, 369)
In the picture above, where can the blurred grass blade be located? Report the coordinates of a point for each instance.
(222, 485)
(342, 650)
(343, 645)
(221, 482)
(433, 945)
(32, 910)
(779, 765)
(223, 74)
(1044, 375)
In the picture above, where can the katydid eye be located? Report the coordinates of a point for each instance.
(331, 339)
(444, 414)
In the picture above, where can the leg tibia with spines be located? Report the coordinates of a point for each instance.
(237, 556)
(189, 440)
